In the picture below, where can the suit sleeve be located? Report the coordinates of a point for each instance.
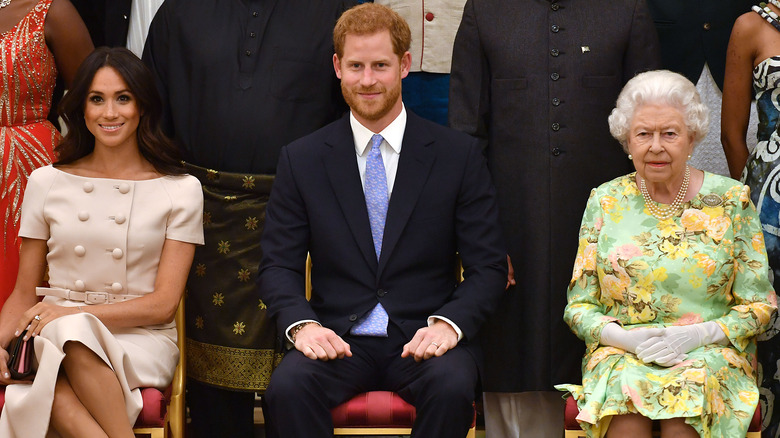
(155, 56)
(481, 249)
(469, 80)
(281, 278)
(644, 50)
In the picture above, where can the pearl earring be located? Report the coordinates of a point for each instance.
(689, 156)
(630, 157)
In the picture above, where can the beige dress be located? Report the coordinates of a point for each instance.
(104, 235)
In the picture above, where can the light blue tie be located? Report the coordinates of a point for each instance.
(375, 323)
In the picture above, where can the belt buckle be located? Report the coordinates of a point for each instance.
(96, 297)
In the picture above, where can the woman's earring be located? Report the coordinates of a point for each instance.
(689, 156)
(630, 157)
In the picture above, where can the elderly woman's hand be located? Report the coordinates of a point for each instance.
(37, 316)
(671, 347)
(616, 336)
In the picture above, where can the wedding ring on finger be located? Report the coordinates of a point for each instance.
(37, 317)
(433, 343)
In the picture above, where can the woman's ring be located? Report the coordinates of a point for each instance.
(433, 343)
(37, 317)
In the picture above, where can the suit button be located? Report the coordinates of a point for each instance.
(554, 6)
(79, 285)
(120, 219)
(88, 187)
(116, 287)
(556, 126)
(380, 293)
(556, 101)
(124, 188)
(707, 26)
(555, 52)
(555, 28)
(353, 317)
(80, 250)
(555, 76)
(83, 215)
(556, 151)
(255, 14)
(117, 253)
(429, 16)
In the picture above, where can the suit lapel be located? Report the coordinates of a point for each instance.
(414, 165)
(341, 166)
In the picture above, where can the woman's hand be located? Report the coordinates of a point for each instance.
(39, 315)
(5, 375)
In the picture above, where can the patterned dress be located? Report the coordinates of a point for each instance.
(27, 139)
(707, 264)
(762, 175)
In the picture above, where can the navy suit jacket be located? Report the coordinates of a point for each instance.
(443, 205)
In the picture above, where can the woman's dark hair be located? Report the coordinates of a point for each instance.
(153, 144)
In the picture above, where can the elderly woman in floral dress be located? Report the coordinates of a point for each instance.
(670, 283)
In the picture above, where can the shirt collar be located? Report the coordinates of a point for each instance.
(393, 133)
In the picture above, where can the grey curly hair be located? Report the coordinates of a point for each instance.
(659, 87)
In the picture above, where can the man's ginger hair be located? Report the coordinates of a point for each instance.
(368, 19)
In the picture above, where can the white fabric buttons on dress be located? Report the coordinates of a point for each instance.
(88, 187)
(117, 253)
(124, 188)
(80, 250)
(83, 216)
(120, 219)
(117, 287)
(79, 285)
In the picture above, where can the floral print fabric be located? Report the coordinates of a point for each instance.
(707, 264)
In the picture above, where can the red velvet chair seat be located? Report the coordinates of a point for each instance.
(374, 409)
(571, 412)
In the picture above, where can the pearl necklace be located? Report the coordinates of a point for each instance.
(671, 210)
(4, 3)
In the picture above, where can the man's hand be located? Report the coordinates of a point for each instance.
(317, 342)
(510, 273)
(431, 341)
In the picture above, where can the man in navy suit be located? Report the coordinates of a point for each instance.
(384, 231)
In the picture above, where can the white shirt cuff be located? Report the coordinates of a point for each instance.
(433, 318)
(287, 331)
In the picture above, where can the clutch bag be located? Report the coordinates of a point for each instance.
(21, 357)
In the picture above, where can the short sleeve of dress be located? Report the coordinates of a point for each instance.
(33, 224)
(185, 222)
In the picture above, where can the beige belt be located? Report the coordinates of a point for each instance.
(87, 297)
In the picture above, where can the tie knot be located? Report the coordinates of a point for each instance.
(376, 140)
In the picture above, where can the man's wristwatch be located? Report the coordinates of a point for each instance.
(294, 331)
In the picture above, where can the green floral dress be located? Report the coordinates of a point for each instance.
(707, 264)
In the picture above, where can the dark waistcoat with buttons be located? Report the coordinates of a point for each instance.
(535, 80)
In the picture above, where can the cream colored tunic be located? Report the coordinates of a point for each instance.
(103, 235)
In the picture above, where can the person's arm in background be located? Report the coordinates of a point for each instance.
(67, 38)
(737, 93)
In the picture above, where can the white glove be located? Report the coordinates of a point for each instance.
(671, 347)
(616, 336)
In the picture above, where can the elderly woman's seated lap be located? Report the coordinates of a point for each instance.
(670, 283)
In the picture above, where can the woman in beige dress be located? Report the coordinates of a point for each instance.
(117, 221)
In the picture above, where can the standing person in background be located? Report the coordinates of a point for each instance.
(239, 79)
(37, 38)
(535, 81)
(434, 24)
(753, 69)
(694, 36)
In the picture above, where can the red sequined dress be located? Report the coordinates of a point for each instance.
(27, 139)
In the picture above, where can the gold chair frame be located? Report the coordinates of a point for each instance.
(173, 426)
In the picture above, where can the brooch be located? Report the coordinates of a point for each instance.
(712, 200)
